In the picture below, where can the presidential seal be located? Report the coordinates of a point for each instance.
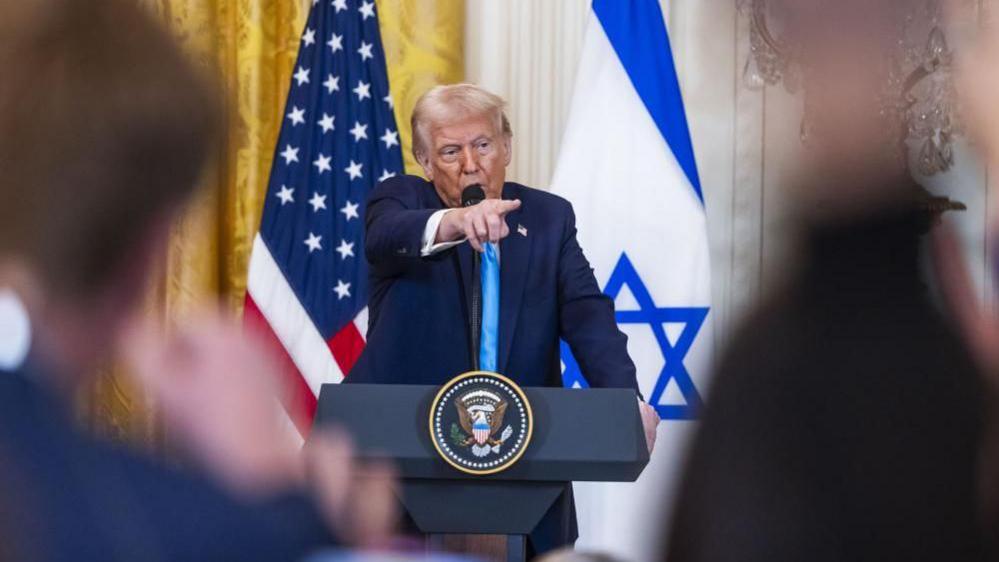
(480, 422)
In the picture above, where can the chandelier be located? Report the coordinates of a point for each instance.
(918, 101)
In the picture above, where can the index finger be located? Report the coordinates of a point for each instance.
(506, 206)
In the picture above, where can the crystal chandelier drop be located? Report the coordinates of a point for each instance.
(919, 102)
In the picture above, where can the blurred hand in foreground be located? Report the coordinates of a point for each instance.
(978, 77)
(219, 396)
(978, 327)
(359, 501)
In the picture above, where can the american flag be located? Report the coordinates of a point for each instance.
(307, 286)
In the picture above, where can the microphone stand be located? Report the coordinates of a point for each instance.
(470, 196)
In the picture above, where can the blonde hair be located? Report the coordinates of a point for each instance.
(453, 102)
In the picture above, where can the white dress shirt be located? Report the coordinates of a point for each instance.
(430, 234)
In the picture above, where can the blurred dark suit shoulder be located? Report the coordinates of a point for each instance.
(845, 420)
(67, 496)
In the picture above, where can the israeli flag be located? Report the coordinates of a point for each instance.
(627, 165)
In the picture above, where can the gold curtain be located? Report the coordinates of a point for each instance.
(251, 46)
(424, 46)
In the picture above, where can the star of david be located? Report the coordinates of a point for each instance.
(692, 318)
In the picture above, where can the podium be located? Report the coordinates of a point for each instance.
(579, 435)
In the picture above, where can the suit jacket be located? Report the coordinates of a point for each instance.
(66, 496)
(418, 317)
(418, 307)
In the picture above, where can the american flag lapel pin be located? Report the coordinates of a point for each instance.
(522, 230)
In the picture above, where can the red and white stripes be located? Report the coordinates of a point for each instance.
(307, 360)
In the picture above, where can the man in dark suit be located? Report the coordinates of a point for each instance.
(421, 270)
(104, 128)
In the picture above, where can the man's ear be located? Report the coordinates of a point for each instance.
(508, 149)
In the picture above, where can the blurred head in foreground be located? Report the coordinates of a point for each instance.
(104, 128)
(845, 418)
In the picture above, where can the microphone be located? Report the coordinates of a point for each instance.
(473, 195)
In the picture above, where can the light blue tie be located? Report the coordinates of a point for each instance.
(490, 308)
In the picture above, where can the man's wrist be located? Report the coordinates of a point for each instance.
(449, 229)
(431, 234)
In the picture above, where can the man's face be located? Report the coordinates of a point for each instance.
(464, 153)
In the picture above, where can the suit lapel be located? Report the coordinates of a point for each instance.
(515, 255)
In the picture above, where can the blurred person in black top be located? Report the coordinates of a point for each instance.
(104, 128)
(978, 89)
(846, 418)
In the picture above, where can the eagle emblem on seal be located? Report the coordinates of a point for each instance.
(480, 422)
(480, 417)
